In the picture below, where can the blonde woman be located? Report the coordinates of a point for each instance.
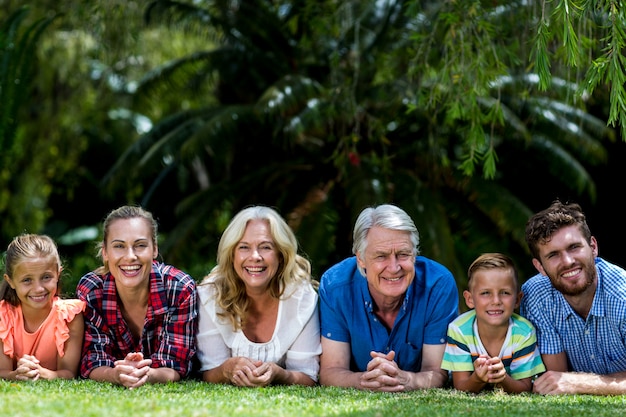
(258, 317)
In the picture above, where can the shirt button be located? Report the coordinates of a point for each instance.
(586, 331)
(328, 334)
(592, 357)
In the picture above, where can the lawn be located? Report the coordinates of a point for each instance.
(80, 398)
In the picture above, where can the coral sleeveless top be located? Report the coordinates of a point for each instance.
(48, 341)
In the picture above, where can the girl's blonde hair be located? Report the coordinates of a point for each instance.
(24, 248)
(230, 288)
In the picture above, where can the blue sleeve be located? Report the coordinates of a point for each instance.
(443, 306)
(332, 320)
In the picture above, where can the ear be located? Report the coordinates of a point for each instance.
(519, 299)
(539, 267)
(359, 260)
(105, 256)
(594, 246)
(155, 252)
(9, 281)
(469, 300)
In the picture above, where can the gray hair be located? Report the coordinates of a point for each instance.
(386, 216)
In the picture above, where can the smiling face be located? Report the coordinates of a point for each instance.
(494, 295)
(35, 281)
(389, 263)
(256, 258)
(569, 261)
(129, 251)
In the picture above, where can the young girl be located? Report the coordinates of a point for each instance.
(40, 334)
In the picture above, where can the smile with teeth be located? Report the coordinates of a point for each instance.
(254, 269)
(494, 312)
(571, 274)
(392, 279)
(38, 297)
(130, 268)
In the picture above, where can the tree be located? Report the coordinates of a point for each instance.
(321, 108)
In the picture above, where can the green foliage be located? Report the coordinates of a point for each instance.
(321, 109)
(586, 28)
(21, 197)
(88, 398)
(465, 113)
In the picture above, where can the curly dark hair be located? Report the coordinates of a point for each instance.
(543, 225)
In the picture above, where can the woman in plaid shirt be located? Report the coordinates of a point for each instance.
(140, 318)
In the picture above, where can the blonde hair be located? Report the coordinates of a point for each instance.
(24, 248)
(491, 261)
(230, 288)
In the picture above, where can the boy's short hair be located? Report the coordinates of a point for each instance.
(492, 260)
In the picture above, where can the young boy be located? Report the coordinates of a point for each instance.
(490, 345)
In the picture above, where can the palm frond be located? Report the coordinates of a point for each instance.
(174, 128)
(563, 165)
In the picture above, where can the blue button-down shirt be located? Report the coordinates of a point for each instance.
(596, 344)
(347, 313)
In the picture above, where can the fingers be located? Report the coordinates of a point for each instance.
(132, 377)
(259, 376)
(388, 356)
(377, 380)
(383, 360)
(134, 357)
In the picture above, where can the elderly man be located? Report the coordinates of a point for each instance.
(385, 312)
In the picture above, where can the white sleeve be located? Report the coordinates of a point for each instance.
(303, 354)
(212, 349)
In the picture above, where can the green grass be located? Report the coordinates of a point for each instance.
(79, 398)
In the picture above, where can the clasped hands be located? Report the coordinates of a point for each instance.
(383, 374)
(28, 369)
(133, 370)
(245, 372)
(489, 370)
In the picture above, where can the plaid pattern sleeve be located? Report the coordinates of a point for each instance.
(97, 346)
(171, 325)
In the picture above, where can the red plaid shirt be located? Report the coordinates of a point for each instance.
(169, 332)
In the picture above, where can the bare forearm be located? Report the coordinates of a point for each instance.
(339, 377)
(468, 382)
(216, 375)
(104, 374)
(287, 377)
(515, 386)
(614, 384)
(8, 375)
(426, 379)
(162, 375)
(61, 373)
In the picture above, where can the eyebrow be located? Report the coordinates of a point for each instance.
(141, 239)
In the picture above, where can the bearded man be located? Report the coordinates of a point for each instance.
(577, 304)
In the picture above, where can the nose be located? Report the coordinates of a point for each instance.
(394, 265)
(130, 253)
(496, 299)
(568, 259)
(255, 254)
